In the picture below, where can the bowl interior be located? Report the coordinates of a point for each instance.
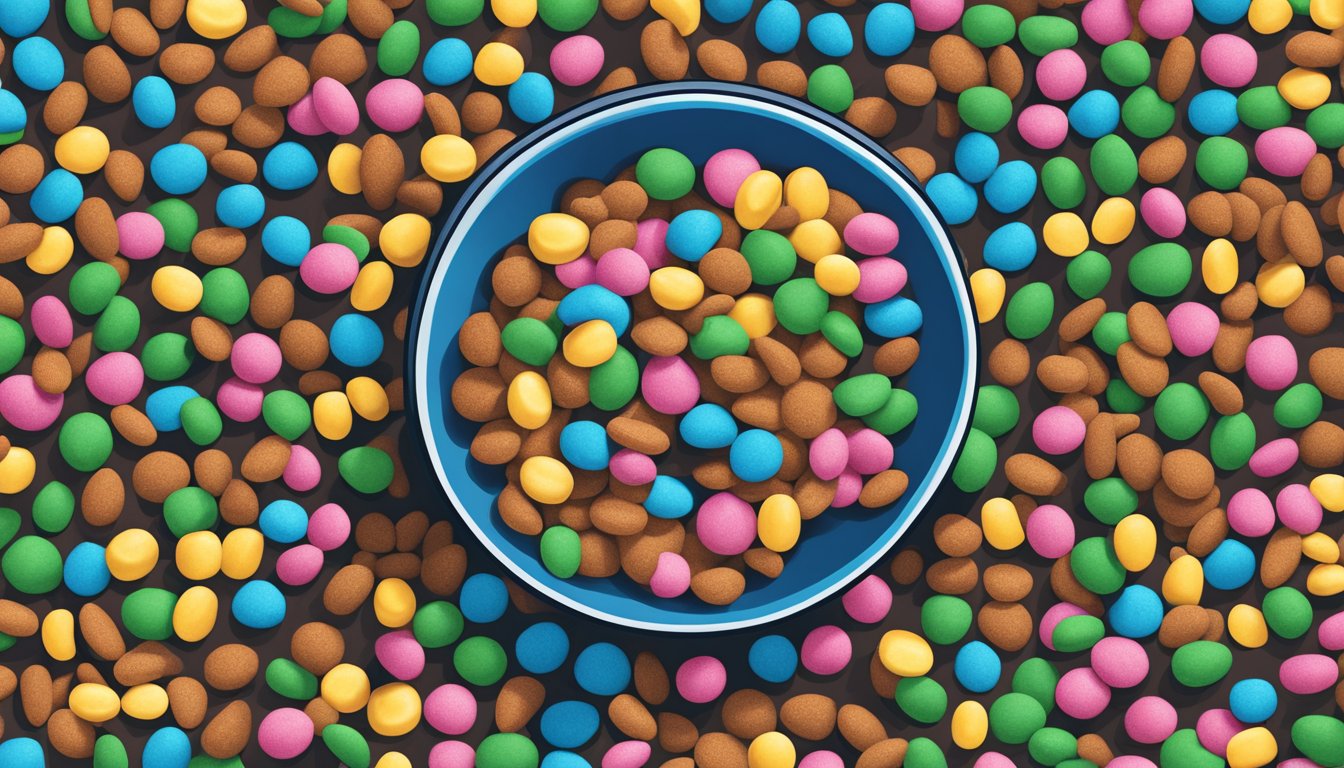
(600, 139)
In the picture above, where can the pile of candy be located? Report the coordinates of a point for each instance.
(211, 214)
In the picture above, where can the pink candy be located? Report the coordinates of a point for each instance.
(1274, 458)
(701, 679)
(1130, 761)
(869, 601)
(1107, 21)
(1058, 430)
(452, 754)
(994, 760)
(401, 655)
(579, 272)
(1309, 673)
(335, 106)
(1052, 617)
(328, 527)
(1150, 720)
(847, 489)
(632, 467)
(450, 709)
(872, 234)
(822, 758)
(880, 278)
(1331, 632)
(1271, 362)
(139, 235)
(239, 400)
(1285, 151)
(826, 650)
(651, 242)
(577, 60)
(1215, 728)
(671, 575)
(1119, 662)
(115, 378)
(1228, 60)
(1193, 328)
(1250, 512)
(870, 452)
(302, 117)
(1081, 694)
(51, 322)
(1050, 531)
(1165, 19)
(622, 271)
(27, 407)
(828, 454)
(936, 15)
(329, 268)
(1163, 212)
(1043, 126)
(725, 171)
(302, 471)
(255, 358)
(299, 565)
(1298, 508)
(1061, 74)
(726, 524)
(285, 733)
(669, 385)
(627, 754)
(395, 105)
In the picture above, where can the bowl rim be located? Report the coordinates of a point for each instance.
(753, 97)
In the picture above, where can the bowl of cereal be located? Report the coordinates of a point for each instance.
(692, 357)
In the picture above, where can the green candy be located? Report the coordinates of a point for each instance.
(1161, 269)
(1321, 739)
(9, 524)
(1087, 274)
(201, 421)
(923, 752)
(896, 414)
(93, 286)
(1232, 441)
(53, 507)
(32, 565)
(147, 613)
(507, 750)
(347, 745)
(399, 48)
(1063, 183)
(109, 752)
(1181, 411)
(288, 679)
(1096, 566)
(1183, 750)
(12, 344)
(665, 174)
(80, 19)
(560, 551)
(1287, 612)
(179, 220)
(566, 15)
(1298, 406)
(190, 509)
(1126, 63)
(1037, 679)
(922, 699)
(996, 410)
(611, 385)
(1052, 746)
(719, 335)
(862, 394)
(349, 237)
(286, 413)
(800, 304)
(1201, 663)
(1110, 500)
(1262, 108)
(984, 108)
(1014, 717)
(454, 13)
(85, 441)
(1221, 162)
(480, 660)
(292, 24)
(988, 26)
(1077, 633)
(1146, 115)
(366, 469)
(530, 340)
(1114, 166)
(206, 761)
(1110, 332)
(977, 462)
(1325, 125)
(830, 88)
(225, 295)
(1030, 311)
(333, 16)
(167, 356)
(10, 137)
(842, 332)
(769, 255)
(945, 619)
(7, 641)
(118, 326)
(437, 624)
(1122, 398)
(1042, 34)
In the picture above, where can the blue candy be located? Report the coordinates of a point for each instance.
(283, 521)
(1095, 114)
(708, 426)
(569, 724)
(356, 340)
(602, 669)
(178, 169)
(1252, 700)
(86, 572)
(240, 206)
(562, 759)
(289, 166)
(1011, 247)
(893, 318)
(259, 605)
(57, 196)
(542, 647)
(38, 64)
(447, 62)
(584, 444)
(977, 667)
(1011, 186)
(727, 11)
(773, 658)
(1137, 613)
(21, 18)
(829, 34)
(1213, 112)
(1222, 11)
(13, 115)
(756, 455)
(778, 26)
(154, 102)
(20, 752)
(669, 498)
(593, 302)
(164, 407)
(484, 598)
(955, 200)
(976, 157)
(286, 239)
(531, 97)
(167, 747)
(1229, 566)
(692, 233)
(889, 29)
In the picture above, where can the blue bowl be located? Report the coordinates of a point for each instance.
(598, 139)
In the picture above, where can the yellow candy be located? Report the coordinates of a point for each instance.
(970, 725)
(53, 252)
(58, 634)
(529, 400)
(148, 701)
(241, 555)
(368, 398)
(1269, 17)
(1219, 266)
(1279, 284)
(1183, 583)
(393, 603)
(448, 158)
(806, 192)
(904, 653)
(346, 688)
(771, 749)
(94, 703)
(199, 555)
(498, 64)
(1326, 580)
(394, 709)
(1065, 234)
(176, 288)
(132, 554)
(1252, 748)
(216, 19)
(332, 416)
(1327, 14)
(1329, 490)
(676, 288)
(545, 479)
(343, 168)
(393, 760)
(1304, 88)
(836, 274)
(514, 13)
(1003, 526)
(1113, 221)
(405, 239)
(815, 239)
(557, 238)
(195, 613)
(684, 14)
(755, 312)
(1135, 542)
(590, 343)
(372, 286)
(82, 149)
(758, 198)
(988, 289)
(16, 470)
(1246, 625)
(779, 522)
(1321, 548)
